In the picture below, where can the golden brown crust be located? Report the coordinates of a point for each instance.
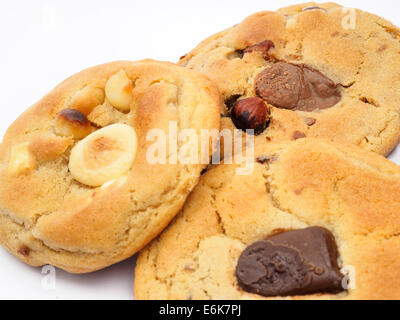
(363, 61)
(79, 228)
(309, 182)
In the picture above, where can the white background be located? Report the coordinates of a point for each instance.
(44, 41)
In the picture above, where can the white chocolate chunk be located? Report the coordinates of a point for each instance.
(21, 160)
(104, 155)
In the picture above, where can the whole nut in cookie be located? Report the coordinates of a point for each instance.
(86, 99)
(71, 122)
(250, 113)
(119, 91)
(105, 155)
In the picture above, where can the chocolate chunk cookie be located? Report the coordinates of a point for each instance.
(314, 220)
(336, 66)
(77, 188)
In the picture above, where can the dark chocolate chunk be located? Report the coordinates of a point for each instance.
(296, 87)
(291, 263)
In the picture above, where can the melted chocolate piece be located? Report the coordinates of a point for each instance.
(296, 87)
(291, 263)
(262, 47)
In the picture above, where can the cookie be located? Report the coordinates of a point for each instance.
(77, 189)
(309, 70)
(315, 220)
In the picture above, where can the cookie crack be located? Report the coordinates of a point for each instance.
(364, 165)
(22, 225)
(273, 200)
(161, 280)
(378, 135)
(218, 215)
(369, 101)
(392, 31)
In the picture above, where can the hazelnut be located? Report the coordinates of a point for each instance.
(71, 122)
(262, 47)
(86, 99)
(250, 113)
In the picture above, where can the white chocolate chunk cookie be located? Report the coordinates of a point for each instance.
(315, 220)
(77, 190)
(309, 70)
